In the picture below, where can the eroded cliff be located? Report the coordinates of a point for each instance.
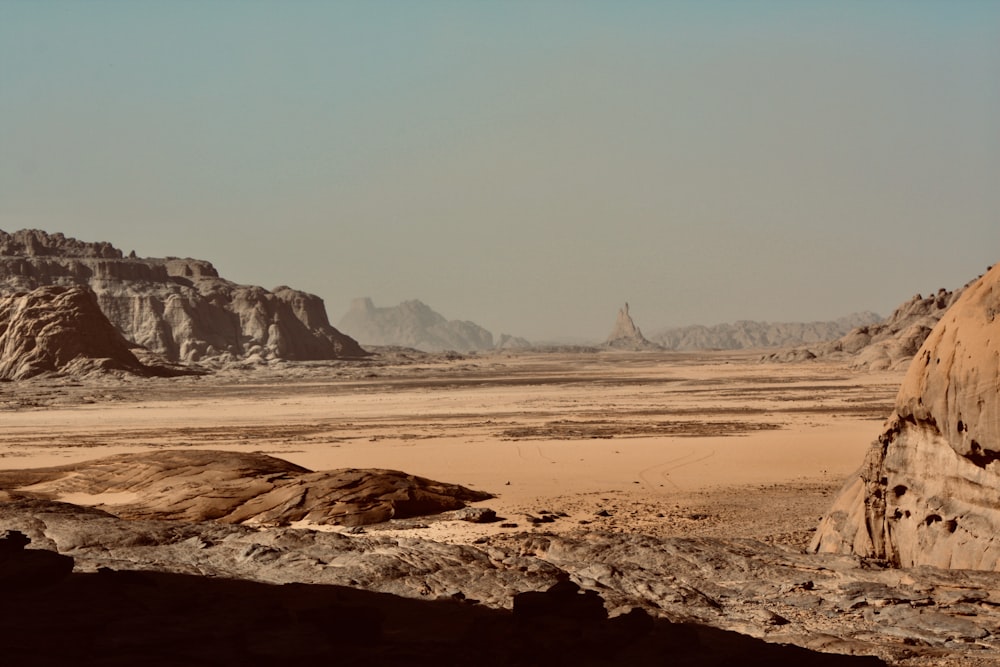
(180, 309)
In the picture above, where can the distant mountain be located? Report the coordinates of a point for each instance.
(626, 335)
(747, 334)
(414, 324)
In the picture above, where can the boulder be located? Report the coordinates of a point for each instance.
(929, 490)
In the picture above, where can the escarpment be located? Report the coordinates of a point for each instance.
(180, 309)
(929, 490)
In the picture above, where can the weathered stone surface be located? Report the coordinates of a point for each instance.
(412, 324)
(59, 329)
(928, 491)
(826, 602)
(180, 309)
(198, 485)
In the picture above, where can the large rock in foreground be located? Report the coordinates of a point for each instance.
(231, 487)
(929, 490)
(59, 329)
(180, 309)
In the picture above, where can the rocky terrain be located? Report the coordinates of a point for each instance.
(414, 324)
(748, 334)
(178, 309)
(890, 344)
(927, 492)
(232, 487)
(626, 335)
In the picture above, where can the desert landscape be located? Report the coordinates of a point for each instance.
(499, 333)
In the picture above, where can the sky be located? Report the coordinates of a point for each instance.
(526, 165)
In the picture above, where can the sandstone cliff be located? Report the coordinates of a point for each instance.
(59, 329)
(928, 491)
(747, 334)
(180, 309)
(626, 335)
(412, 324)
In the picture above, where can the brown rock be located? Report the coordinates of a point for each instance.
(59, 329)
(199, 485)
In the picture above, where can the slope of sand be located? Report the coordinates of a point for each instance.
(659, 443)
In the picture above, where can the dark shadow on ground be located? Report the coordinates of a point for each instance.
(51, 616)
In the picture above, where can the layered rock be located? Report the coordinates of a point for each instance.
(929, 490)
(626, 335)
(59, 329)
(412, 324)
(747, 334)
(890, 344)
(200, 485)
(180, 309)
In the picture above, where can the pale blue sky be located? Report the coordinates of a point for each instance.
(525, 165)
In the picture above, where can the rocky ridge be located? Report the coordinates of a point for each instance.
(626, 335)
(178, 309)
(890, 344)
(747, 334)
(927, 491)
(414, 324)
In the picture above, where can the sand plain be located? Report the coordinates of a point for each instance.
(666, 444)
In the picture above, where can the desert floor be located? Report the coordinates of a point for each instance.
(656, 443)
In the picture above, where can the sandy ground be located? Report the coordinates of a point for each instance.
(659, 443)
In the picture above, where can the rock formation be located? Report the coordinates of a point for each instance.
(180, 309)
(59, 329)
(888, 345)
(746, 334)
(928, 491)
(200, 485)
(412, 324)
(626, 335)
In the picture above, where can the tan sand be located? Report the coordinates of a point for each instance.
(640, 435)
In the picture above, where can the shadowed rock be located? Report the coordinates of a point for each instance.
(198, 485)
(929, 490)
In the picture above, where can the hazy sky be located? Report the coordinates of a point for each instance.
(527, 165)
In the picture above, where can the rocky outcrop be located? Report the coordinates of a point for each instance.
(887, 345)
(59, 329)
(821, 602)
(200, 485)
(626, 335)
(746, 334)
(180, 309)
(928, 491)
(412, 324)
